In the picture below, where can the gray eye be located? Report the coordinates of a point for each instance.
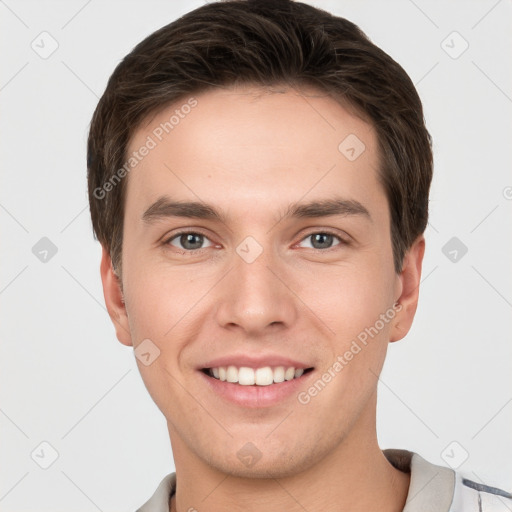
(189, 241)
(322, 240)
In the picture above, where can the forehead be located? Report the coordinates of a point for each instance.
(247, 144)
(252, 115)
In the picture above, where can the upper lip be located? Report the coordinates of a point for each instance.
(255, 361)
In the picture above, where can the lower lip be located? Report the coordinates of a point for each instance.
(256, 396)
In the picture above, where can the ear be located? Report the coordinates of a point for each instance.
(409, 288)
(114, 299)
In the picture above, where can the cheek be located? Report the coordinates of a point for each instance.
(359, 309)
(160, 308)
(164, 306)
(347, 299)
(158, 299)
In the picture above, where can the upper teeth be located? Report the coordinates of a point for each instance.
(259, 376)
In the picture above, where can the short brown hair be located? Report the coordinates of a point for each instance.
(265, 43)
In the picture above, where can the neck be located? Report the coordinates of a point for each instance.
(355, 476)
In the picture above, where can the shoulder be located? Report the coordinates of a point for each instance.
(159, 502)
(471, 496)
(442, 489)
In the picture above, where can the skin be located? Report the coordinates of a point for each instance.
(251, 153)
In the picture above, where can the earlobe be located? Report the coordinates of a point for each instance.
(114, 299)
(409, 278)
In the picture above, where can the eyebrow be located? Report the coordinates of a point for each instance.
(165, 207)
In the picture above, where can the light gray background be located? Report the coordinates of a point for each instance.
(65, 379)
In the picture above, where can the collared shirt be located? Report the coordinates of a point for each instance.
(432, 489)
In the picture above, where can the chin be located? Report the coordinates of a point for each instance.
(263, 459)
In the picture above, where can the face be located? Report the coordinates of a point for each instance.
(279, 275)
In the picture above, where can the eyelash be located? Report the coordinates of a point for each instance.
(167, 241)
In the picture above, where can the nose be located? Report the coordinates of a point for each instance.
(257, 296)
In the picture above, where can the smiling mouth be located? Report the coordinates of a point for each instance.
(264, 376)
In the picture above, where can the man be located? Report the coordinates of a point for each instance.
(258, 178)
